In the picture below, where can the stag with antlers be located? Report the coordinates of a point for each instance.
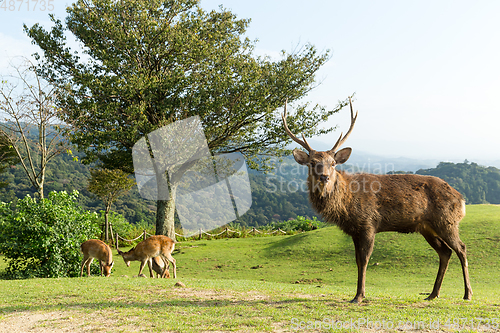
(365, 204)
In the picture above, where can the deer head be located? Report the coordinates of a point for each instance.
(321, 164)
(125, 255)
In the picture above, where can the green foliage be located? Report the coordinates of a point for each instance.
(272, 198)
(118, 222)
(42, 238)
(65, 174)
(478, 184)
(8, 156)
(299, 224)
(109, 184)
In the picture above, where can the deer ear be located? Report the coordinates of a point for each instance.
(342, 155)
(300, 156)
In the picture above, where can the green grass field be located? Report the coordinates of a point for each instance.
(284, 283)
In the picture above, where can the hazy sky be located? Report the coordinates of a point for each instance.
(426, 73)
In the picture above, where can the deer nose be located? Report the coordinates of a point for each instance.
(323, 178)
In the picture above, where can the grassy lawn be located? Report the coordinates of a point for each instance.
(278, 284)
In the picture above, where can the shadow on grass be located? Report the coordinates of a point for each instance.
(212, 303)
(318, 244)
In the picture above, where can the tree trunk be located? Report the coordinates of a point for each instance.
(40, 191)
(106, 224)
(165, 212)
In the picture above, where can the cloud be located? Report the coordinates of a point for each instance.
(12, 48)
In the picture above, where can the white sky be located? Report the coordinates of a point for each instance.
(426, 73)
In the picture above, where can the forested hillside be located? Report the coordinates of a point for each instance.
(272, 199)
(478, 184)
(275, 196)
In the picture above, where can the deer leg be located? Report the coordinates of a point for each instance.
(150, 265)
(166, 263)
(444, 252)
(89, 262)
(84, 261)
(143, 263)
(363, 247)
(166, 272)
(453, 241)
(169, 257)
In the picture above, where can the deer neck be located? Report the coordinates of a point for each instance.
(130, 255)
(109, 259)
(331, 200)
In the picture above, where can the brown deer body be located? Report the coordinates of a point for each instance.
(365, 204)
(154, 246)
(94, 248)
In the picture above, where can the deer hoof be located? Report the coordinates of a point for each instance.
(356, 300)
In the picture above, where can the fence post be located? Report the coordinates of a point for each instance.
(111, 231)
(200, 233)
(144, 235)
(117, 240)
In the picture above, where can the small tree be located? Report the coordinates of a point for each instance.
(109, 185)
(30, 125)
(42, 238)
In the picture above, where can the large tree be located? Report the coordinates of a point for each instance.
(148, 63)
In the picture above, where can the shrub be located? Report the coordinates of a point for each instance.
(299, 224)
(42, 239)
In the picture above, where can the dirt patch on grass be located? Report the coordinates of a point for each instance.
(59, 321)
(209, 294)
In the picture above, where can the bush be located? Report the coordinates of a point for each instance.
(42, 239)
(299, 224)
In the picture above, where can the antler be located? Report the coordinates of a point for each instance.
(304, 143)
(341, 139)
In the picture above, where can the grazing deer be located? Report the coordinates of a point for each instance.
(154, 246)
(94, 248)
(365, 204)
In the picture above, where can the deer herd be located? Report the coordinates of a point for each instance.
(156, 251)
(361, 205)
